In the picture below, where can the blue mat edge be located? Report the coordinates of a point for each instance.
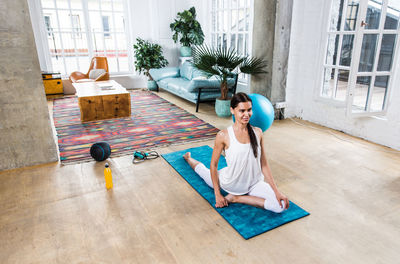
(216, 209)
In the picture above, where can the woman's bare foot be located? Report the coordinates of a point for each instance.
(187, 156)
(231, 198)
(192, 162)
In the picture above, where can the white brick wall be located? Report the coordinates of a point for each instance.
(305, 64)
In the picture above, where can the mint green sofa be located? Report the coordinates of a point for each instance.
(189, 83)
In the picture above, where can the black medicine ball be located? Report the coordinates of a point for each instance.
(100, 151)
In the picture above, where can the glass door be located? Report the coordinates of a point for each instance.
(374, 56)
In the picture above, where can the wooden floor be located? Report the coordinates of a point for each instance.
(63, 214)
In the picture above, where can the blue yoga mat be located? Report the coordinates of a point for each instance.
(249, 221)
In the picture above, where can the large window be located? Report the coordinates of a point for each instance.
(77, 30)
(230, 25)
(360, 53)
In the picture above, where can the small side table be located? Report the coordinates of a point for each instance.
(52, 83)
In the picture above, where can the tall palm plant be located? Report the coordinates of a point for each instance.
(224, 63)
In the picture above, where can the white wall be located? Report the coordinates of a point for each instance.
(309, 21)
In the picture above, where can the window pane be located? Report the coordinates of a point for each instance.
(225, 27)
(241, 20)
(93, 5)
(247, 19)
(368, 50)
(98, 44)
(112, 63)
(246, 44)
(96, 22)
(58, 64)
(62, 3)
(71, 64)
(106, 5)
(342, 84)
(331, 53)
(336, 15)
(351, 17)
(119, 22)
(328, 83)
(234, 3)
(118, 6)
(226, 4)
(68, 44)
(65, 20)
(121, 42)
(84, 62)
(220, 21)
(361, 93)
(47, 4)
(386, 53)
(214, 22)
(224, 41)
(392, 14)
(220, 4)
(379, 93)
(54, 42)
(240, 44)
(123, 63)
(106, 25)
(373, 14)
(82, 43)
(233, 41)
(76, 4)
(347, 49)
(241, 3)
(219, 41)
(234, 20)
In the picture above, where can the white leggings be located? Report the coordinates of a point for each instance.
(260, 189)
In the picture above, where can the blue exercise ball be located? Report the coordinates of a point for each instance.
(100, 151)
(263, 112)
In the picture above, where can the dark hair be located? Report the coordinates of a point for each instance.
(243, 98)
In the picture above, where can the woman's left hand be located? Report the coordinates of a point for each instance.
(281, 197)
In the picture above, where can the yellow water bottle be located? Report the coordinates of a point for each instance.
(108, 177)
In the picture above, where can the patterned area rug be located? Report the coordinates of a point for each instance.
(154, 123)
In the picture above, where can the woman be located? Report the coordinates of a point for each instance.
(247, 179)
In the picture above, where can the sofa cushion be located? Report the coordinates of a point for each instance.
(212, 82)
(168, 72)
(178, 84)
(186, 70)
(198, 75)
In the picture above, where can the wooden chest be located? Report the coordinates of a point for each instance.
(52, 83)
(104, 106)
(96, 103)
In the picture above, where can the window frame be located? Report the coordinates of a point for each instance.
(216, 32)
(85, 29)
(355, 58)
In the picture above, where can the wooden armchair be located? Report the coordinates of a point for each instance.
(96, 64)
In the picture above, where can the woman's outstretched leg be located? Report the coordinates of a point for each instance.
(246, 199)
(199, 168)
(191, 161)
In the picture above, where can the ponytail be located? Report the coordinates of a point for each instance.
(242, 98)
(253, 139)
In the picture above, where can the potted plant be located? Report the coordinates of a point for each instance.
(223, 64)
(148, 56)
(188, 29)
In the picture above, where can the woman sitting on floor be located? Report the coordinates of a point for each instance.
(247, 179)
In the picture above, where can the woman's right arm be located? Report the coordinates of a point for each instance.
(220, 200)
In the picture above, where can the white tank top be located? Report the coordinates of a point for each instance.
(243, 170)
